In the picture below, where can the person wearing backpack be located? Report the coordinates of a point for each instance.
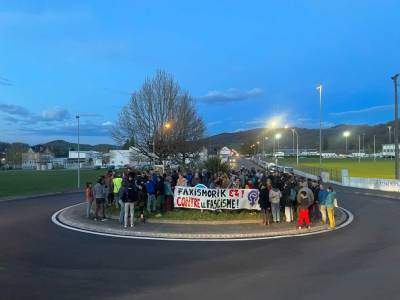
(330, 203)
(275, 196)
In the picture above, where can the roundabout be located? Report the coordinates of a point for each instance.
(73, 218)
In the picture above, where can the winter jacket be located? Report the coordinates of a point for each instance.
(150, 187)
(322, 197)
(99, 191)
(304, 202)
(263, 201)
(330, 199)
(286, 197)
(275, 195)
(310, 195)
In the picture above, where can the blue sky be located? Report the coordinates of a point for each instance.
(242, 61)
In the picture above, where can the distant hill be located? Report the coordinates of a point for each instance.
(60, 148)
(333, 139)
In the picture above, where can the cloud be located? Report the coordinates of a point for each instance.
(68, 129)
(364, 110)
(107, 123)
(55, 114)
(6, 81)
(15, 110)
(213, 123)
(230, 95)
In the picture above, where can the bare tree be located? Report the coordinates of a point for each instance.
(160, 118)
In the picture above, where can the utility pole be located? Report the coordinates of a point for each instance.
(319, 88)
(396, 127)
(359, 148)
(374, 150)
(79, 154)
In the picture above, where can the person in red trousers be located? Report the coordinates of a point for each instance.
(303, 210)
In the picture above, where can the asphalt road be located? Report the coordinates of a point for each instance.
(39, 260)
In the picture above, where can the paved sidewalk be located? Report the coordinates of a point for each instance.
(74, 217)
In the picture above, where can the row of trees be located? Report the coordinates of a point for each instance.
(160, 118)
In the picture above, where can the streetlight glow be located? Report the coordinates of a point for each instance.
(278, 136)
(346, 133)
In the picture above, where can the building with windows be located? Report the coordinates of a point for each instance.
(388, 150)
(132, 157)
(40, 160)
(87, 159)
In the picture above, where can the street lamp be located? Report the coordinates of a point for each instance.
(265, 139)
(346, 134)
(319, 88)
(390, 133)
(294, 131)
(396, 127)
(277, 137)
(258, 147)
(79, 153)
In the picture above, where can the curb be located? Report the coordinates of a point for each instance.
(203, 237)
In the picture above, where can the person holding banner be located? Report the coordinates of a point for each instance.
(264, 202)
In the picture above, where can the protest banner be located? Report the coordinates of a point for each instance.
(215, 199)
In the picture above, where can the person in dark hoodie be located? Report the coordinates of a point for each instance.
(129, 197)
(264, 202)
(287, 202)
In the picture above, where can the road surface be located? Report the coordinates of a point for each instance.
(39, 260)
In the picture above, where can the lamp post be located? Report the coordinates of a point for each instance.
(297, 144)
(346, 135)
(79, 153)
(278, 136)
(258, 147)
(319, 88)
(390, 133)
(359, 148)
(396, 127)
(374, 150)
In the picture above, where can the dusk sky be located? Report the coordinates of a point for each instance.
(242, 61)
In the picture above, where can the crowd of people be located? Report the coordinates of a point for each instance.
(152, 191)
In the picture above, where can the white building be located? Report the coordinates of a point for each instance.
(86, 158)
(132, 157)
(388, 150)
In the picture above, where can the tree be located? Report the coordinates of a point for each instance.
(14, 154)
(161, 118)
(215, 165)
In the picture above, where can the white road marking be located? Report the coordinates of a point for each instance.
(54, 219)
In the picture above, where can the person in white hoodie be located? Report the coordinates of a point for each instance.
(275, 196)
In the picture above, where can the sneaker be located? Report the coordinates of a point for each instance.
(308, 227)
(125, 226)
(299, 227)
(95, 219)
(132, 225)
(104, 219)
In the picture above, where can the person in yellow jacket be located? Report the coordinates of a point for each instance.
(117, 183)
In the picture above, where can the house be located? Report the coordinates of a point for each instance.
(132, 157)
(87, 159)
(40, 160)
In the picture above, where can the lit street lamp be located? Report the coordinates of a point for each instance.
(297, 144)
(319, 88)
(346, 134)
(390, 133)
(79, 153)
(277, 137)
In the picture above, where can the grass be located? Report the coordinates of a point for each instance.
(195, 214)
(24, 182)
(368, 168)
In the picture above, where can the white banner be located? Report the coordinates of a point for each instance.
(215, 199)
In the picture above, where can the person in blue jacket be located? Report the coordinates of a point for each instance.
(322, 194)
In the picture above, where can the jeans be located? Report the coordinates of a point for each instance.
(88, 208)
(121, 211)
(276, 214)
(289, 213)
(100, 206)
(116, 199)
(151, 202)
(322, 209)
(129, 210)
